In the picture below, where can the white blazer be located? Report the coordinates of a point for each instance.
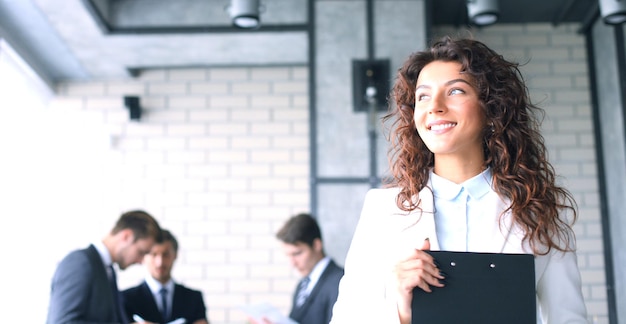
(384, 234)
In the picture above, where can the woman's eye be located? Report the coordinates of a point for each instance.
(422, 97)
(456, 91)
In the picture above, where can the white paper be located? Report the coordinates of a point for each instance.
(138, 319)
(178, 321)
(266, 310)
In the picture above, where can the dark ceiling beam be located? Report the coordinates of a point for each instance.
(589, 19)
(564, 12)
(97, 16)
(206, 29)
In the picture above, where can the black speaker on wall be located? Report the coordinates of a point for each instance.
(134, 109)
(370, 73)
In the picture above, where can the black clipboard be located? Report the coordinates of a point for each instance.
(485, 288)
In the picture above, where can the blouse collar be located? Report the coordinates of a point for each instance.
(476, 187)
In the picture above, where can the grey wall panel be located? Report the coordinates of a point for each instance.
(614, 144)
(341, 133)
(397, 35)
(340, 208)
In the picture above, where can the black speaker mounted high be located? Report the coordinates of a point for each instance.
(134, 109)
(370, 73)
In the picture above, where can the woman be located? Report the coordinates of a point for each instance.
(470, 173)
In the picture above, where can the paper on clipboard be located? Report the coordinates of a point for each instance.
(268, 311)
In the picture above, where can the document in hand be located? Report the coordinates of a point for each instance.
(266, 311)
(486, 288)
(139, 319)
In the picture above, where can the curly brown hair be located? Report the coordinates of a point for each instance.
(513, 145)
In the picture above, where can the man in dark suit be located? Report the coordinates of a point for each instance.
(158, 299)
(84, 287)
(317, 292)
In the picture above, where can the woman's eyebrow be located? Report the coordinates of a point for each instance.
(457, 80)
(448, 83)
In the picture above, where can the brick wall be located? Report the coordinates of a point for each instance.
(555, 67)
(220, 157)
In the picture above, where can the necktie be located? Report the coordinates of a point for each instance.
(302, 292)
(163, 293)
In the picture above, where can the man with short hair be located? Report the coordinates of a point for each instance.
(317, 292)
(84, 285)
(158, 299)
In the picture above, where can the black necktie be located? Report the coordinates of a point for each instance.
(302, 293)
(163, 293)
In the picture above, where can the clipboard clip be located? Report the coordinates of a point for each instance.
(492, 265)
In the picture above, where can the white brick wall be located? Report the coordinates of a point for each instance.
(557, 79)
(220, 157)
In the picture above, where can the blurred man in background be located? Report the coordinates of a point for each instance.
(158, 299)
(316, 293)
(84, 285)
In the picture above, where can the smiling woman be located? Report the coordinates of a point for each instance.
(470, 174)
(449, 119)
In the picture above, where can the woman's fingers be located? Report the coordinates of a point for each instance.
(418, 270)
(416, 273)
(426, 245)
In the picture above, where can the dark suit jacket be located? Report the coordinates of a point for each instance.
(188, 303)
(80, 291)
(318, 307)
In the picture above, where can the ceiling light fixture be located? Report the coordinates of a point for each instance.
(245, 13)
(483, 12)
(613, 11)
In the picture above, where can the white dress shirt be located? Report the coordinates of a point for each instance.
(316, 273)
(105, 256)
(155, 287)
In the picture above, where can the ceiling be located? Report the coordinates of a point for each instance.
(91, 39)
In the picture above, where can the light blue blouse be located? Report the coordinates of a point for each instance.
(459, 216)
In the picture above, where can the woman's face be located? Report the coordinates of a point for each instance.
(448, 114)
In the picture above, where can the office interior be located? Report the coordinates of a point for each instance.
(224, 131)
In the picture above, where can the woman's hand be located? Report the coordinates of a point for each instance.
(417, 269)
